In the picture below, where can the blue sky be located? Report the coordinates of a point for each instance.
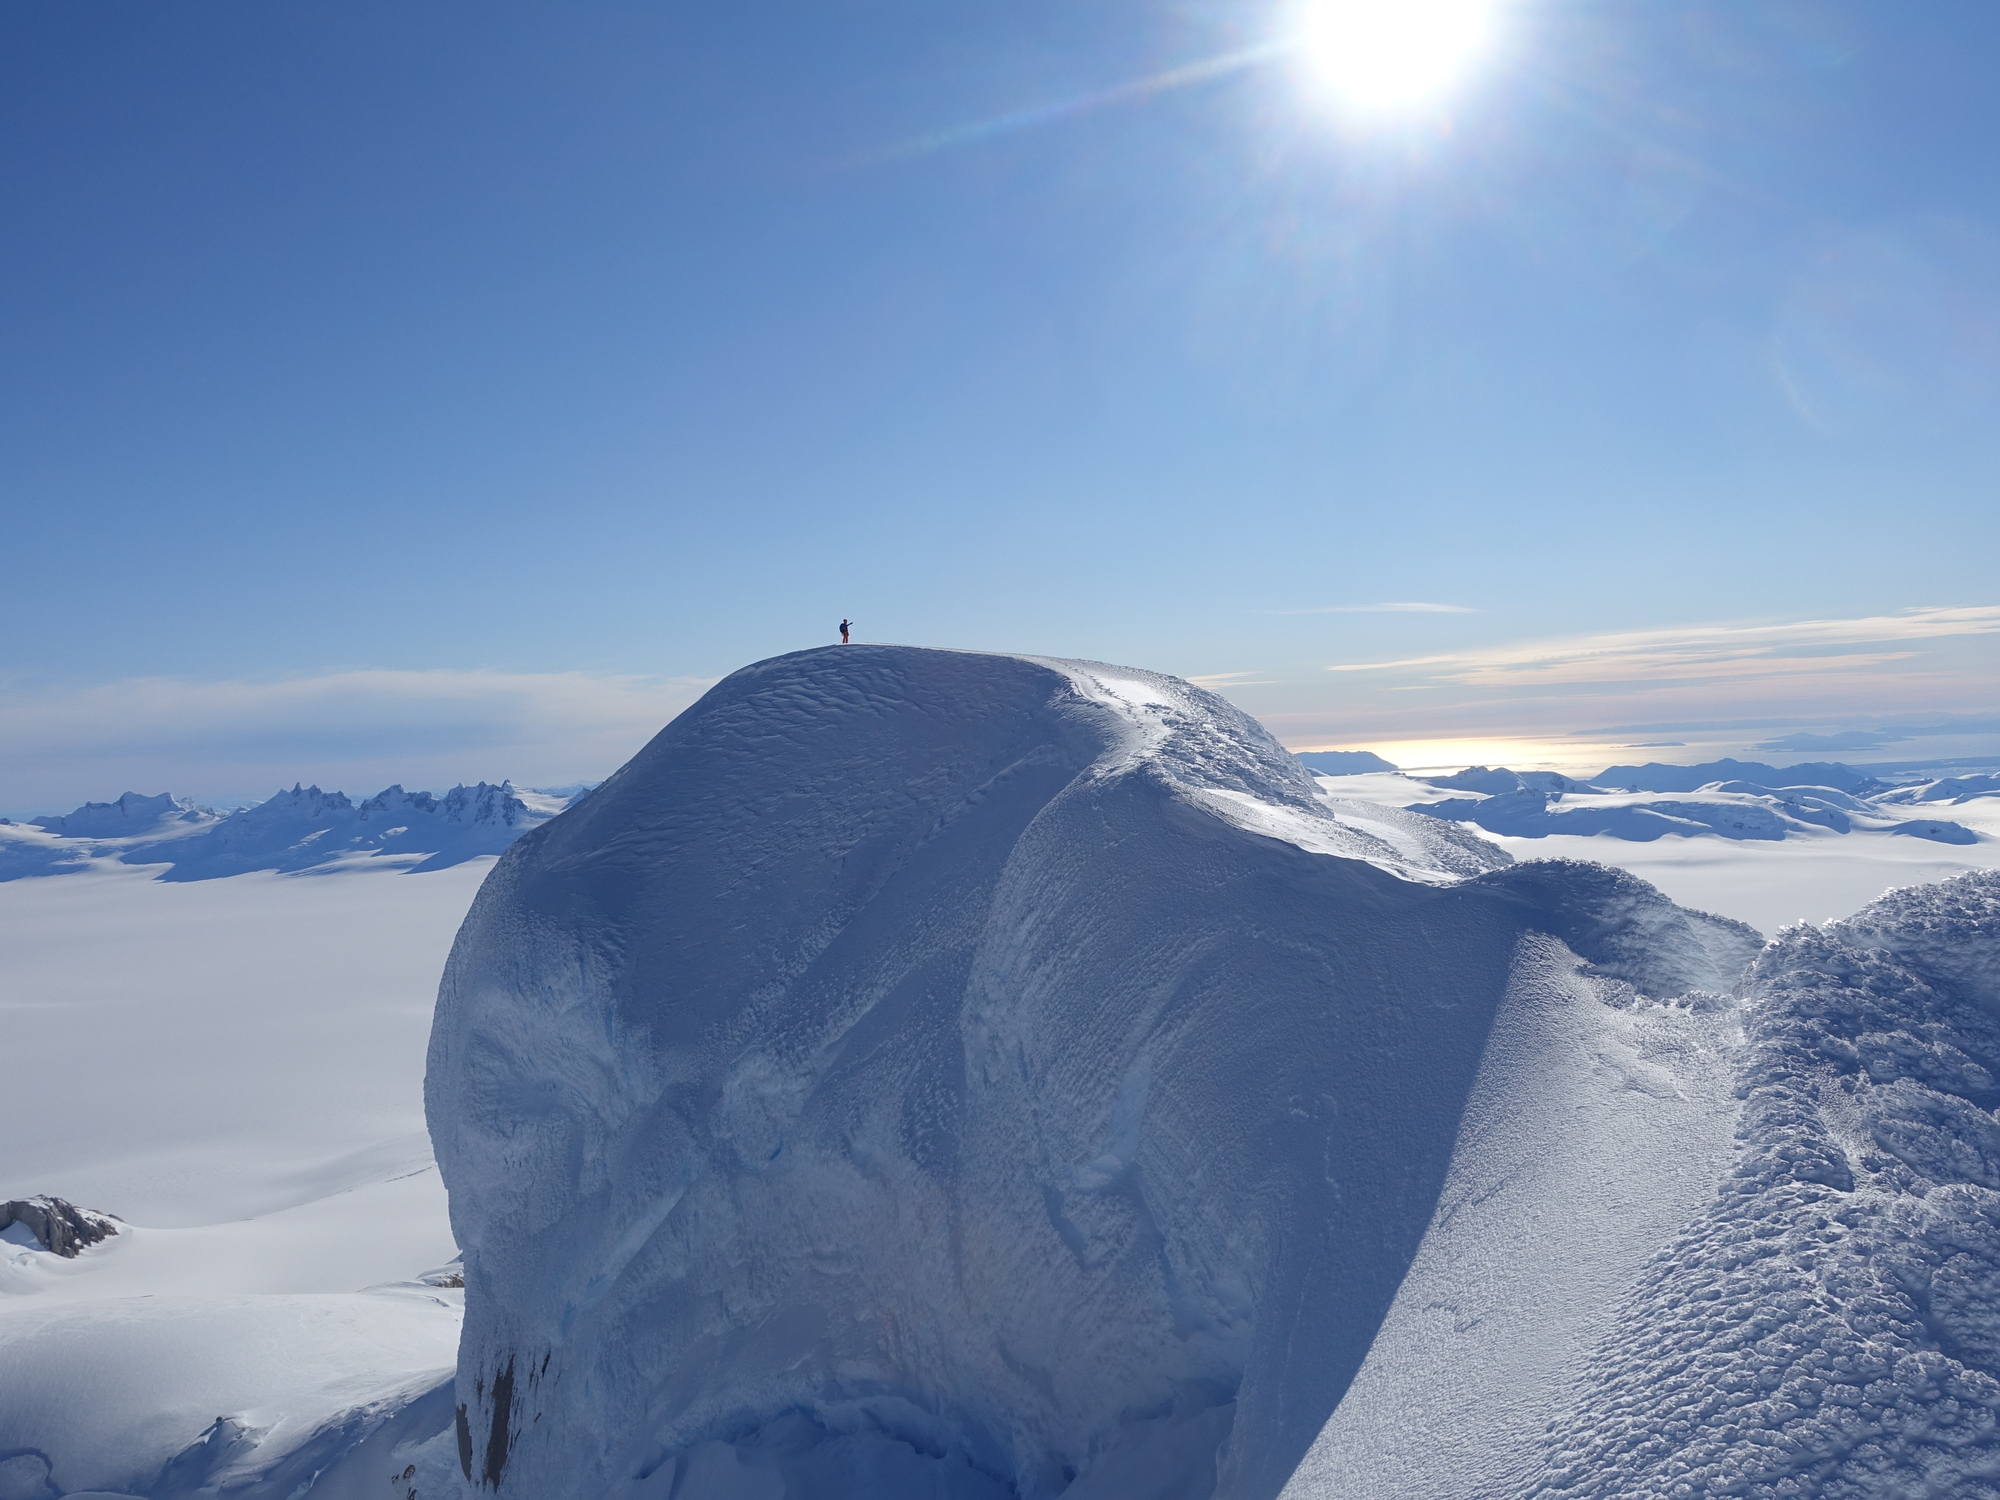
(416, 391)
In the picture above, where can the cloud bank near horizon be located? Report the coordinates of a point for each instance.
(355, 731)
(1853, 684)
(1697, 653)
(1820, 687)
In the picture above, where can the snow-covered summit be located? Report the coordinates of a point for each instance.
(926, 1073)
(131, 816)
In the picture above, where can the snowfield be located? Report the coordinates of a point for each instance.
(234, 1067)
(926, 1075)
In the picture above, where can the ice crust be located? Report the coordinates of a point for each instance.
(925, 1073)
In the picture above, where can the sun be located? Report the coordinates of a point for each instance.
(1383, 56)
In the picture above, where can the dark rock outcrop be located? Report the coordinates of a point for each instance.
(57, 1224)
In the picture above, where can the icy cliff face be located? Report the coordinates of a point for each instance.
(928, 1073)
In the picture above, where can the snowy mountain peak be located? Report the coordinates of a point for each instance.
(493, 806)
(496, 806)
(972, 1076)
(300, 801)
(130, 816)
(300, 829)
(306, 828)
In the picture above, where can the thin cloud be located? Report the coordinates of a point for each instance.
(1704, 652)
(1409, 608)
(1904, 726)
(1215, 681)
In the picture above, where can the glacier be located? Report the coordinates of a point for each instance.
(946, 1074)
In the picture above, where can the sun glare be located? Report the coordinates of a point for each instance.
(1380, 56)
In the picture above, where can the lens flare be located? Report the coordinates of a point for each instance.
(1380, 56)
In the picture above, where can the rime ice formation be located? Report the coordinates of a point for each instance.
(924, 1073)
(1830, 1325)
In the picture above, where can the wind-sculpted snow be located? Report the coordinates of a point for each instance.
(924, 1073)
(1830, 1326)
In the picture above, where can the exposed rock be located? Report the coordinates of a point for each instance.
(58, 1225)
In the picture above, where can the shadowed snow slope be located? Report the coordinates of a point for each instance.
(924, 1073)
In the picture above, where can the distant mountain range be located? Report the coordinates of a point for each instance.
(1732, 799)
(301, 829)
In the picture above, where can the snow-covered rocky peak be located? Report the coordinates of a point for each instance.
(301, 829)
(131, 816)
(495, 806)
(490, 806)
(975, 1076)
(306, 828)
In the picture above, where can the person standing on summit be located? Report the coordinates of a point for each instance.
(843, 632)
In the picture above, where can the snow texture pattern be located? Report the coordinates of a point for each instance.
(1830, 1326)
